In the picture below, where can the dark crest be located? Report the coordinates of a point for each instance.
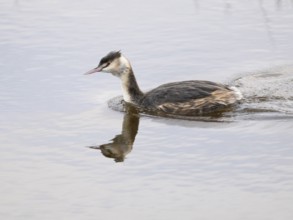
(110, 57)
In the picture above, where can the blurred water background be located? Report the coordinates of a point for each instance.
(169, 169)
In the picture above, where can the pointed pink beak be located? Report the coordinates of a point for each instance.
(95, 70)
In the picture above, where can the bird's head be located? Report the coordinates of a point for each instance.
(114, 62)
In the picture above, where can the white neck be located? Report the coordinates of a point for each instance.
(125, 69)
(125, 91)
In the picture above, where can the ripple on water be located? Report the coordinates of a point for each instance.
(268, 91)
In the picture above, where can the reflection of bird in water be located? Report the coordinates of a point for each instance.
(121, 144)
(186, 98)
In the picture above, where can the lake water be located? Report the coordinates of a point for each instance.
(51, 115)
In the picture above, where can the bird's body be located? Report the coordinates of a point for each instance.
(189, 98)
(186, 98)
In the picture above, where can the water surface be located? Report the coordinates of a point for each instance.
(240, 167)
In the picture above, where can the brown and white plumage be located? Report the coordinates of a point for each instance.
(186, 98)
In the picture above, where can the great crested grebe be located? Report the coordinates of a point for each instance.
(186, 98)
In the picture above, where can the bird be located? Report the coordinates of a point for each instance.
(183, 98)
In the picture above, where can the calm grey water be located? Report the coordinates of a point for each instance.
(241, 168)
